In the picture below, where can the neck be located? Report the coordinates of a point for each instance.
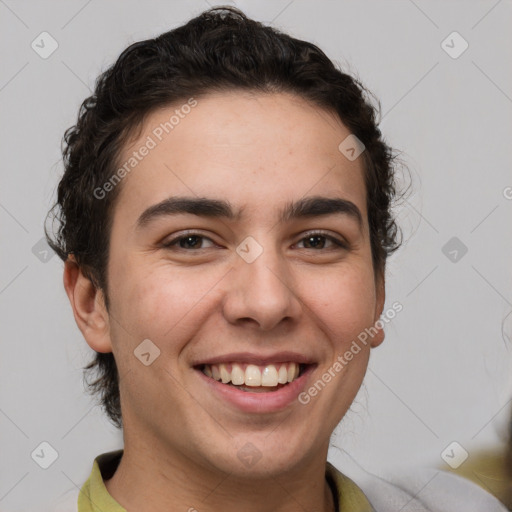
(156, 480)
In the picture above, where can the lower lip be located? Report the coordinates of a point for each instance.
(262, 402)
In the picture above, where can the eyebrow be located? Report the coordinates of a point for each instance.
(309, 207)
(201, 206)
(317, 206)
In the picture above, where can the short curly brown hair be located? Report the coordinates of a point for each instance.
(219, 50)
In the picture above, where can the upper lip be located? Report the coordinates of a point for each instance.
(257, 359)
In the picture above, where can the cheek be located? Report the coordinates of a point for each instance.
(158, 302)
(345, 303)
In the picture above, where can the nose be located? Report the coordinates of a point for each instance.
(261, 293)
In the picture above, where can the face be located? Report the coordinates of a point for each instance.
(246, 281)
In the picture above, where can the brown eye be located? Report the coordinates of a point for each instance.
(191, 241)
(315, 242)
(322, 241)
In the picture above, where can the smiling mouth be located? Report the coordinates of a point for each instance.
(254, 378)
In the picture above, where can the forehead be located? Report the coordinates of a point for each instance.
(255, 148)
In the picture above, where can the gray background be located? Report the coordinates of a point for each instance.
(443, 373)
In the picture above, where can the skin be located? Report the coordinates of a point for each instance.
(259, 151)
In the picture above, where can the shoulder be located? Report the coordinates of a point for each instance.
(104, 466)
(427, 490)
(66, 502)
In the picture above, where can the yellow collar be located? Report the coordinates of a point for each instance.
(94, 496)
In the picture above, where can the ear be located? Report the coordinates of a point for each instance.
(88, 306)
(380, 289)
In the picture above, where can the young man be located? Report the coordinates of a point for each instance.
(225, 223)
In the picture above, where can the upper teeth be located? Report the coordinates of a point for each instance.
(268, 375)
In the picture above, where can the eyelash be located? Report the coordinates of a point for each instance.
(338, 243)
